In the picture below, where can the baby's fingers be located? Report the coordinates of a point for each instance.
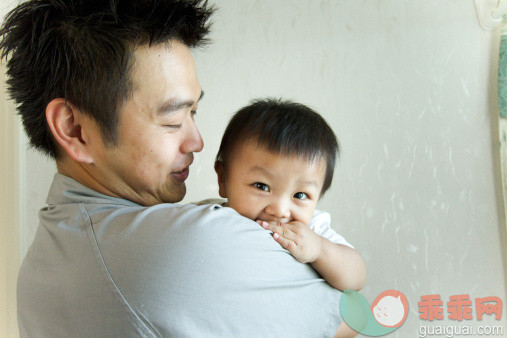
(284, 242)
(266, 225)
(281, 229)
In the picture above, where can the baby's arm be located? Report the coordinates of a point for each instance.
(352, 277)
(341, 266)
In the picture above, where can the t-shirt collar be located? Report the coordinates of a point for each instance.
(65, 189)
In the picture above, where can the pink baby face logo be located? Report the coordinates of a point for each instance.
(390, 308)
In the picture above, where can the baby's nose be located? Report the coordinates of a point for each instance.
(278, 209)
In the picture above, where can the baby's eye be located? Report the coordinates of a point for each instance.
(261, 186)
(301, 195)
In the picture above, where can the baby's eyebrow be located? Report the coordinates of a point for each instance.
(263, 170)
(309, 182)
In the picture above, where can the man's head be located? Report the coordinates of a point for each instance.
(83, 51)
(109, 89)
(276, 160)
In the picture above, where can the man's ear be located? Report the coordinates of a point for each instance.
(65, 122)
(220, 170)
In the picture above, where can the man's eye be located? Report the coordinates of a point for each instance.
(301, 195)
(261, 186)
(173, 126)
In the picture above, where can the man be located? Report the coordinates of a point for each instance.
(109, 90)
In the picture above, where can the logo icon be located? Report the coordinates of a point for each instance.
(387, 312)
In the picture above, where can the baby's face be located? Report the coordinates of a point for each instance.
(262, 185)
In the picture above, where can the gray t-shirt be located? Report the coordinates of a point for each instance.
(102, 266)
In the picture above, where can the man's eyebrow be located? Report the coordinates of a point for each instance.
(175, 105)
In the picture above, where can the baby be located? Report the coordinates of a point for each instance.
(275, 162)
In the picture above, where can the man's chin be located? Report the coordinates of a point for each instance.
(174, 194)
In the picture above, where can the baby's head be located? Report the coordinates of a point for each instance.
(275, 161)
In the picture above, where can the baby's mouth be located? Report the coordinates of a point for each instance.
(272, 219)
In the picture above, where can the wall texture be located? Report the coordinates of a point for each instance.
(11, 194)
(410, 89)
(10, 211)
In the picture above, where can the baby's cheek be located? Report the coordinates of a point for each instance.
(304, 216)
(243, 207)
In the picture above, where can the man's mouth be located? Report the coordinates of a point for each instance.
(181, 175)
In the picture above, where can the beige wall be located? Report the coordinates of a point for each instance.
(410, 89)
(10, 213)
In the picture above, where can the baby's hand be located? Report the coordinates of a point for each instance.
(296, 237)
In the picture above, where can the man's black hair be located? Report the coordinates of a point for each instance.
(82, 50)
(282, 127)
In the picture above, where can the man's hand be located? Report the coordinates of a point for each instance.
(296, 237)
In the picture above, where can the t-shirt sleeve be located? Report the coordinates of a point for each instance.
(207, 271)
(321, 225)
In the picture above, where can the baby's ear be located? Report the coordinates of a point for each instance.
(220, 170)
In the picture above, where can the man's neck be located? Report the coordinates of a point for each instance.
(104, 182)
(79, 172)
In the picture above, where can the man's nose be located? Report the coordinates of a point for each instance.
(193, 142)
(278, 209)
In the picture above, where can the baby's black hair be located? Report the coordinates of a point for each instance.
(283, 127)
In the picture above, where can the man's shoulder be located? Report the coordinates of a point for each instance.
(223, 267)
(177, 269)
(214, 201)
